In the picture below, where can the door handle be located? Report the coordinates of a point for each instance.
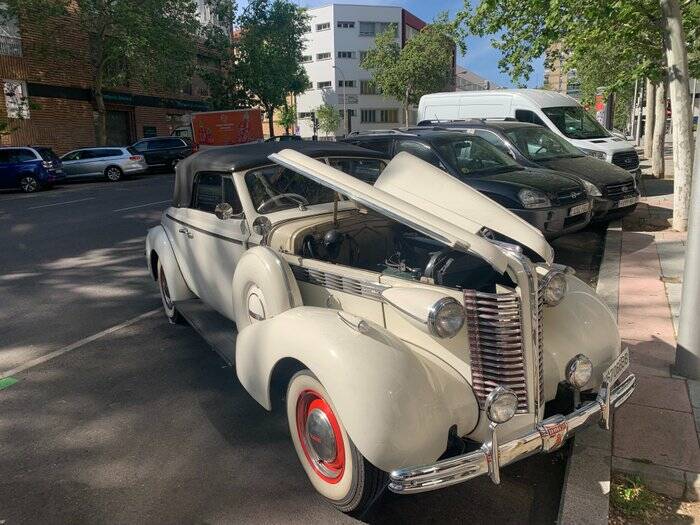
(186, 232)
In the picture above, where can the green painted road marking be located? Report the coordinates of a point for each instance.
(7, 382)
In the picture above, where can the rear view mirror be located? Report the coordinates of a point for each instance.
(223, 211)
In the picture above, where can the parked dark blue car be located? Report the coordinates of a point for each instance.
(29, 168)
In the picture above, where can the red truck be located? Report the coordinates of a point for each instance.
(223, 128)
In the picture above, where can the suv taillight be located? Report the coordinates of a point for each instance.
(136, 157)
(47, 164)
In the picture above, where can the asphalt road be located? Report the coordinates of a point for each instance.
(130, 419)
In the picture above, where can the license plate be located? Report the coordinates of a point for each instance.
(59, 171)
(629, 201)
(618, 366)
(578, 210)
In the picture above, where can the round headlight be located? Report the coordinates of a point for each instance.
(554, 287)
(501, 404)
(578, 371)
(446, 317)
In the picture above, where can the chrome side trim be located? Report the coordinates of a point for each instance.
(338, 282)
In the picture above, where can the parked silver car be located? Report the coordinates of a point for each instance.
(112, 163)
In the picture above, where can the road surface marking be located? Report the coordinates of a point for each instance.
(60, 203)
(56, 353)
(7, 382)
(142, 205)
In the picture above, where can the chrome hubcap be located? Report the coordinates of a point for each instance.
(28, 184)
(113, 174)
(320, 436)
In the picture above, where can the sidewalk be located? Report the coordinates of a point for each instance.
(655, 433)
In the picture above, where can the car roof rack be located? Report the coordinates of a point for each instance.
(435, 122)
(395, 131)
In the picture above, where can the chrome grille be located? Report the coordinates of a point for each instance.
(571, 196)
(626, 159)
(333, 281)
(540, 347)
(617, 190)
(496, 344)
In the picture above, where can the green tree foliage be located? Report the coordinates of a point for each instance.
(269, 50)
(328, 118)
(151, 43)
(287, 117)
(422, 66)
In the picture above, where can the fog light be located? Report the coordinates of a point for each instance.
(554, 287)
(501, 404)
(579, 371)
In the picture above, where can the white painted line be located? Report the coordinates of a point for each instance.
(56, 353)
(142, 205)
(60, 203)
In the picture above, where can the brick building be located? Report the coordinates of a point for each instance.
(47, 88)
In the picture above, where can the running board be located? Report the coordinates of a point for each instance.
(218, 331)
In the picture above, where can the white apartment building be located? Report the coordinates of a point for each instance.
(340, 35)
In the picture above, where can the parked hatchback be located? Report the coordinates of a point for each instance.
(614, 189)
(29, 168)
(553, 202)
(111, 163)
(163, 152)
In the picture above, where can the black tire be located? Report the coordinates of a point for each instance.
(359, 484)
(173, 316)
(113, 174)
(29, 184)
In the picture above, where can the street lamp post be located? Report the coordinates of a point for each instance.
(346, 117)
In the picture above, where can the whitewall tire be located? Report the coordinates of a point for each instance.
(334, 466)
(171, 312)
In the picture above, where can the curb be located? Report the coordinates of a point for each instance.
(585, 495)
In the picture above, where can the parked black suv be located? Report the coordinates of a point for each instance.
(163, 152)
(553, 202)
(614, 189)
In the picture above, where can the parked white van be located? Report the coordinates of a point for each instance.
(560, 113)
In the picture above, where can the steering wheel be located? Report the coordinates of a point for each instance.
(267, 204)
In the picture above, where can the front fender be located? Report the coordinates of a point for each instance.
(581, 324)
(157, 242)
(396, 405)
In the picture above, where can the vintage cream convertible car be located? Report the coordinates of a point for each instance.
(379, 305)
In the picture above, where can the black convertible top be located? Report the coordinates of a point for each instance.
(245, 156)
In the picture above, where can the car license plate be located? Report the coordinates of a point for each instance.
(59, 171)
(629, 201)
(618, 366)
(578, 210)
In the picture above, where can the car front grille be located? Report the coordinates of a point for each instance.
(496, 344)
(571, 196)
(619, 189)
(628, 160)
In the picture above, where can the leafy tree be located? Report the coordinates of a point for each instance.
(424, 65)
(269, 48)
(328, 118)
(151, 43)
(287, 117)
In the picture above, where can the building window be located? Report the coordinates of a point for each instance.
(376, 28)
(389, 116)
(10, 40)
(346, 83)
(346, 25)
(307, 58)
(16, 101)
(324, 85)
(367, 87)
(351, 113)
(324, 26)
(323, 56)
(346, 54)
(368, 115)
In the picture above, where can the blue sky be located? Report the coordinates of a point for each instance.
(480, 57)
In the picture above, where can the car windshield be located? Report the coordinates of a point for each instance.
(575, 123)
(538, 144)
(473, 155)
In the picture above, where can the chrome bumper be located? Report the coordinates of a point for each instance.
(547, 436)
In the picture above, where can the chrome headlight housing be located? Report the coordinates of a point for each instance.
(591, 189)
(501, 405)
(533, 199)
(579, 371)
(446, 317)
(595, 153)
(553, 287)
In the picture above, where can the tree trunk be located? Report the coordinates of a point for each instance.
(681, 116)
(270, 120)
(657, 142)
(101, 117)
(406, 106)
(650, 114)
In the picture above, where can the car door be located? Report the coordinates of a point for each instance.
(73, 163)
(157, 152)
(7, 179)
(210, 245)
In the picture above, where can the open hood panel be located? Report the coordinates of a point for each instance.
(441, 195)
(456, 234)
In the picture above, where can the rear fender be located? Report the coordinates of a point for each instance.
(397, 406)
(157, 242)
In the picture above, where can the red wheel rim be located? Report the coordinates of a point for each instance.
(329, 470)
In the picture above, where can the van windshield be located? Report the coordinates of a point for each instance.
(574, 122)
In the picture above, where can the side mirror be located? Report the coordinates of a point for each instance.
(223, 211)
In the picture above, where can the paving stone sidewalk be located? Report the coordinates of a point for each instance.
(655, 433)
